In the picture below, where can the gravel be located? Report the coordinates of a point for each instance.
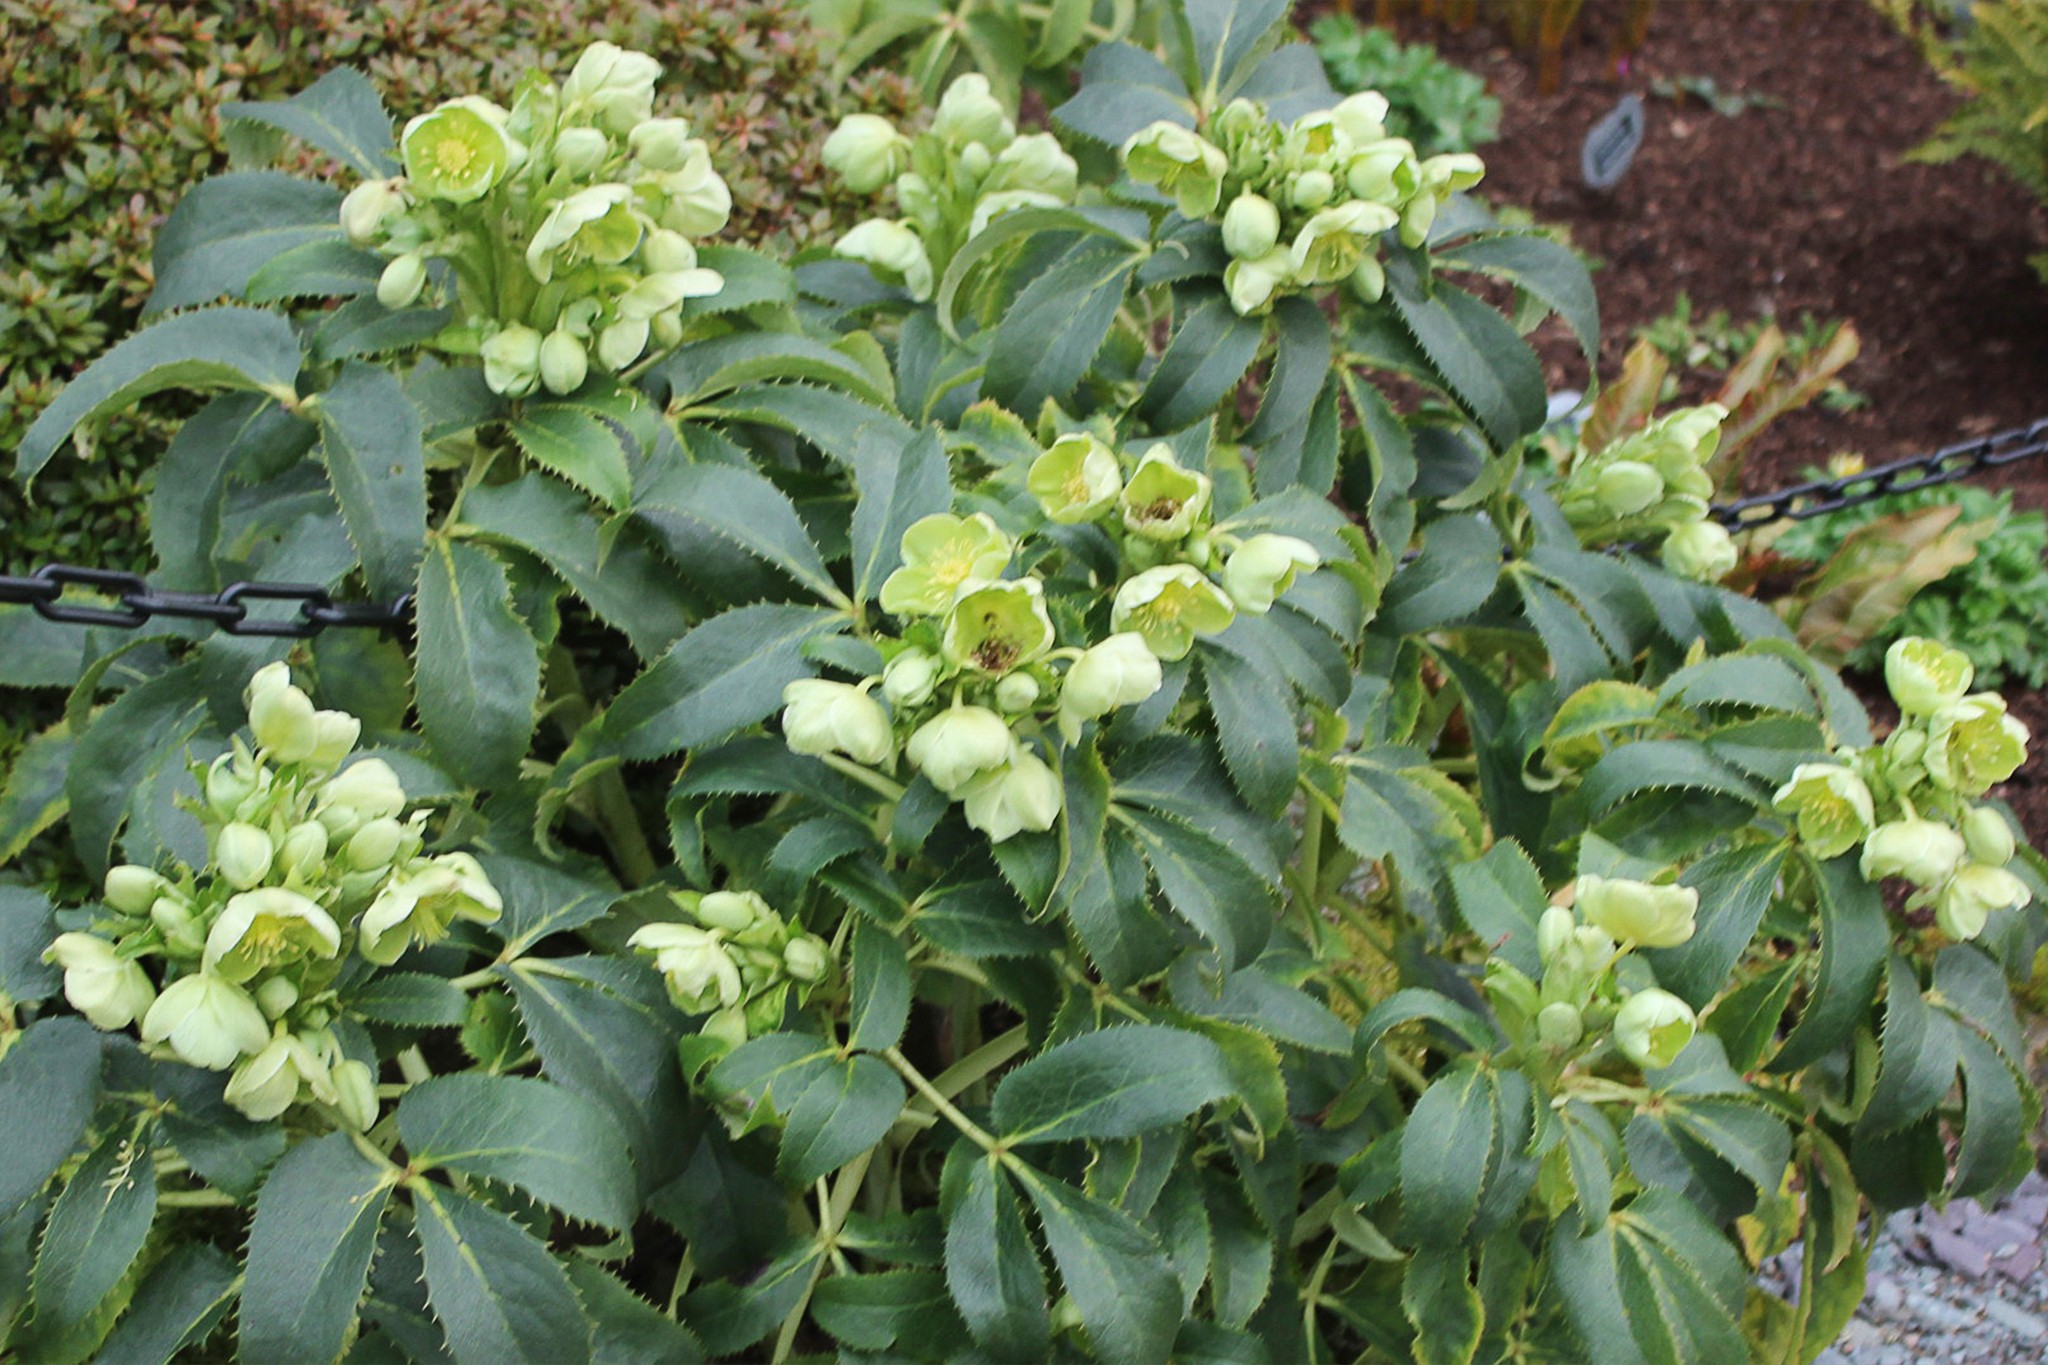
(1961, 1283)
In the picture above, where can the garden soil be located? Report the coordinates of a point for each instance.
(1803, 202)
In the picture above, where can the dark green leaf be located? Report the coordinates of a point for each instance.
(27, 925)
(324, 268)
(1480, 360)
(992, 1268)
(881, 989)
(339, 114)
(894, 489)
(479, 669)
(1116, 1274)
(1501, 897)
(726, 674)
(846, 1109)
(49, 1086)
(1999, 1111)
(1854, 940)
(1648, 765)
(216, 348)
(1735, 888)
(1254, 727)
(177, 1305)
(579, 446)
(543, 1139)
(315, 1227)
(370, 440)
(98, 1225)
(1207, 884)
(874, 1312)
(497, 1292)
(222, 1145)
(1049, 336)
(628, 1330)
(1549, 270)
(1452, 577)
(1209, 354)
(226, 227)
(1439, 1299)
(410, 999)
(730, 1317)
(1117, 1082)
(1449, 1153)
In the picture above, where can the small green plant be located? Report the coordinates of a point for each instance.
(1437, 106)
(1708, 91)
(1716, 344)
(1994, 606)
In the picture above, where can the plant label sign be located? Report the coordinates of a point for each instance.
(1610, 146)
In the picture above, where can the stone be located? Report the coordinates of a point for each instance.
(1959, 1254)
(2022, 1324)
(2021, 1265)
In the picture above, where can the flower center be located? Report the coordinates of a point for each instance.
(1164, 509)
(453, 156)
(995, 655)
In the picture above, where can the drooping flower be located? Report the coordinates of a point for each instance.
(100, 985)
(696, 965)
(595, 224)
(822, 717)
(1832, 805)
(1973, 745)
(268, 927)
(1024, 794)
(958, 745)
(1967, 899)
(893, 251)
(1639, 913)
(1924, 852)
(970, 112)
(612, 86)
(208, 1021)
(1120, 671)
(420, 902)
(1653, 1027)
(1251, 284)
(1181, 162)
(1702, 551)
(866, 152)
(1075, 480)
(1925, 675)
(1332, 242)
(1264, 567)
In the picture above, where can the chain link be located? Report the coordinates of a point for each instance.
(228, 609)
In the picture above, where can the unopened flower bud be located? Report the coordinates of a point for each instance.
(1017, 692)
(893, 252)
(821, 717)
(1369, 280)
(1310, 190)
(563, 362)
(275, 996)
(970, 113)
(1120, 671)
(375, 845)
(304, 848)
(110, 992)
(958, 745)
(866, 152)
(265, 1085)
(733, 911)
(1252, 283)
(911, 677)
(1922, 851)
(1559, 1025)
(132, 889)
(622, 343)
(1988, 837)
(1554, 931)
(661, 144)
(512, 360)
(366, 207)
(1626, 487)
(727, 1026)
(665, 252)
(229, 782)
(402, 281)
(1251, 226)
(282, 721)
(1701, 551)
(243, 854)
(806, 958)
(334, 738)
(355, 1091)
(1639, 913)
(1022, 795)
(579, 151)
(1653, 1027)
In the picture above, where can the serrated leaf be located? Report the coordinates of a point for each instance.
(97, 1226)
(874, 1312)
(409, 999)
(1854, 941)
(1550, 271)
(1449, 1153)
(496, 1291)
(1920, 1054)
(49, 1086)
(730, 1317)
(370, 439)
(1209, 353)
(177, 1305)
(1123, 89)
(880, 987)
(34, 799)
(539, 1137)
(1114, 1271)
(324, 268)
(1647, 765)
(719, 365)
(846, 1109)
(222, 1145)
(992, 1269)
(1999, 1111)
(579, 446)
(894, 489)
(1049, 336)
(478, 675)
(625, 1328)
(1735, 887)
(1477, 355)
(1500, 897)
(724, 675)
(215, 348)
(1452, 577)
(740, 506)
(1207, 884)
(1113, 1083)
(339, 114)
(1254, 727)
(365, 327)
(27, 925)
(751, 279)
(315, 1227)
(228, 226)
(1439, 1300)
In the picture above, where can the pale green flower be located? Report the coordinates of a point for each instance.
(734, 911)
(1332, 242)
(209, 1021)
(806, 958)
(355, 1093)
(1169, 606)
(958, 745)
(1643, 914)
(866, 152)
(1251, 284)
(1626, 487)
(1120, 671)
(1262, 568)
(911, 677)
(108, 990)
(1369, 280)
(1832, 804)
(694, 963)
(1922, 851)
(366, 207)
(620, 344)
(893, 251)
(693, 199)
(420, 902)
(334, 738)
(1653, 1027)
(595, 224)
(1988, 837)
(1310, 190)
(821, 717)
(942, 553)
(1016, 693)
(1967, 899)
(281, 718)
(1384, 171)
(242, 854)
(580, 151)
(564, 363)
(611, 86)
(1181, 162)
(1163, 501)
(1924, 675)
(970, 113)
(1035, 163)
(266, 928)
(365, 790)
(1452, 172)
(267, 1084)
(131, 889)
(1075, 480)
(456, 153)
(663, 144)
(1973, 745)
(1560, 1026)
(1702, 551)
(656, 294)
(1024, 794)
(995, 627)
(1362, 117)
(1251, 226)
(511, 359)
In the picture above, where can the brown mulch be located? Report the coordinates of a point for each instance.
(1803, 205)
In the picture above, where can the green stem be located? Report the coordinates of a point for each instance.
(832, 1212)
(478, 979)
(619, 824)
(867, 777)
(412, 1064)
(940, 1103)
(981, 1062)
(195, 1199)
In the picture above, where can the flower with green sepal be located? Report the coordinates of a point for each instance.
(208, 1021)
(1924, 852)
(457, 153)
(1163, 501)
(823, 717)
(1075, 480)
(1263, 567)
(941, 554)
(1638, 914)
(1179, 162)
(958, 745)
(111, 991)
(421, 901)
(1973, 745)
(1653, 1027)
(1023, 795)
(995, 627)
(1925, 676)
(1832, 805)
(1169, 606)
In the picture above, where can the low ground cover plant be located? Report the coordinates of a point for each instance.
(911, 822)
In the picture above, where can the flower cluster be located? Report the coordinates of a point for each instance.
(564, 223)
(1303, 205)
(735, 959)
(1579, 993)
(974, 680)
(1653, 482)
(950, 181)
(308, 861)
(1910, 802)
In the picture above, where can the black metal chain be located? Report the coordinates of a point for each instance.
(1946, 465)
(228, 609)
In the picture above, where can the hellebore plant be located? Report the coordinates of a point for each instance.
(910, 823)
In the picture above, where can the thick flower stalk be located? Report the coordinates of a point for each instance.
(236, 965)
(561, 232)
